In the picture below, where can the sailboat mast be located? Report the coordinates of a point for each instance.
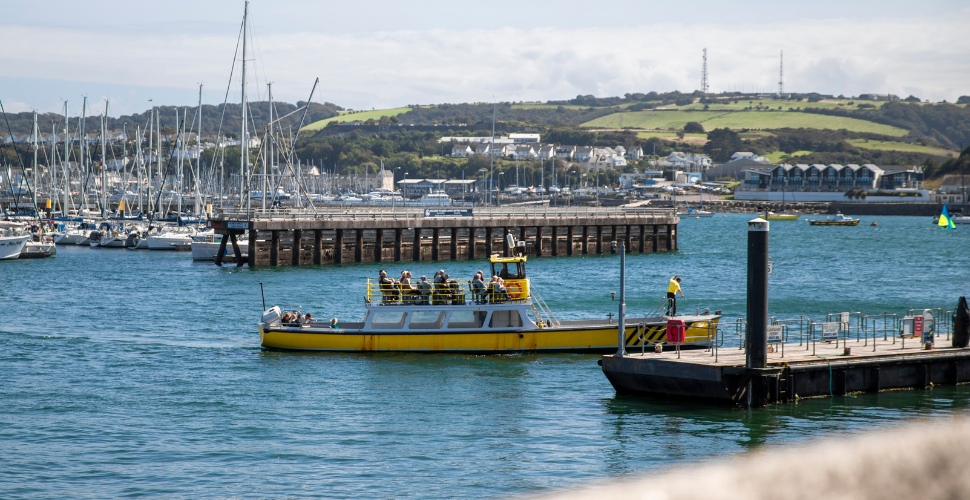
(84, 155)
(269, 149)
(178, 150)
(141, 164)
(151, 132)
(244, 143)
(198, 158)
(67, 177)
(161, 176)
(33, 187)
(104, 179)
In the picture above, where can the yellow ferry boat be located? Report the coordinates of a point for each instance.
(460, 317)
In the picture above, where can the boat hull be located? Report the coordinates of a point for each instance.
(783, 217)
(12, 246)
(833, 223)
(596, 339)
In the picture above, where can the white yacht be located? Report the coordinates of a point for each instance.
(13, 237)
(437, 198)
(77, 235)
(170, 239)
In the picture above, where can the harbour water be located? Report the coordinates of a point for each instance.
(130, 374)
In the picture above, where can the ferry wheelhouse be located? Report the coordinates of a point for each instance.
(462, 317)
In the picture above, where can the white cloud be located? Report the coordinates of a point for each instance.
(925, 56)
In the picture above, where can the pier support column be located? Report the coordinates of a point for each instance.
(656, 238)
(643, 237)
(670, 237)
(488, 242)
(435, 243)
(235, 249)
(626, 237)
(251, 253)
(295, 251)
(585, 240)
(471, 243)
(317, 247)
(673, 236)
(222, 249)
(338, 247)
(416, 248)
(506, 251)
(274, 249)
(522, 235)
(569, 241)
(398, 243)
(599, 239)
(454, 243)
(555, 241)
(379, 246)
(613, 243)
(538, 241)
(359, 247)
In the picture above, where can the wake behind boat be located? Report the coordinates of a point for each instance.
(470, 317)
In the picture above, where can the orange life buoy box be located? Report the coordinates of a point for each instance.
(676, 331)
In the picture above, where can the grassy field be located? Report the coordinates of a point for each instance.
(539, 105)
(781, 156)
(652, 120)
(773, 104)
(899, 146)
(349, 116)
(672, 120)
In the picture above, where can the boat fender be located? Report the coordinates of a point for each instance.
(272, 315)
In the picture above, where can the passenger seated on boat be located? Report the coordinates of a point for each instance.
(478, 287)
(306, 320)
(424, 290)
(286, 318)
(457, 294)
(503, 291)
(389, 293)
(407, 290)
(439, 286)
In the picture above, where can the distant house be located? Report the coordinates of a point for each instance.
(461, 151)
(583, 153)
(620, 150)
(524, 137)
(565, 152)
(525, 152)
(483, 149)
(458, 187)
(546, 152)
(415, 188)
(634, 153)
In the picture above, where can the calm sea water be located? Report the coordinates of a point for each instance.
(138, 374)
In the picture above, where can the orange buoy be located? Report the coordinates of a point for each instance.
(873, 224)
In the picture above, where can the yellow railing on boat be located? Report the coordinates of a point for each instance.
(460, 291)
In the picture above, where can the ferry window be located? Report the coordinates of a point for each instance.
(505, 319)
(467, 319)
(387, 319)
(422, 320)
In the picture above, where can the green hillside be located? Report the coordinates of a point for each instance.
(899, 146)
(349, 116)
(672, 120)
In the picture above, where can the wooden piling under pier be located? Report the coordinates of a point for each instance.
(335, 237)
(797, 371)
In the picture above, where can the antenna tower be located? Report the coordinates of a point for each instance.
(704, 73)
(781, 74)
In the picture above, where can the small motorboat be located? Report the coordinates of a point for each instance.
(837, 220)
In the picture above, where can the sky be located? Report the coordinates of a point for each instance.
(383, 54)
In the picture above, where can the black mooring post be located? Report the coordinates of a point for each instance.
(263, 295)
(756, 343)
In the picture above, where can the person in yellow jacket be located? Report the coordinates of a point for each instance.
(672, 290)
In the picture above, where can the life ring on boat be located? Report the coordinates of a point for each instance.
(515, 290)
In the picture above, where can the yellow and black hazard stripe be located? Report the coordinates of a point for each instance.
(650, 334)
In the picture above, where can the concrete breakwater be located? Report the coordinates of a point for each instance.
(333, 237)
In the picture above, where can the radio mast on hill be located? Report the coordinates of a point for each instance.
(704, 73)
(781, 74)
